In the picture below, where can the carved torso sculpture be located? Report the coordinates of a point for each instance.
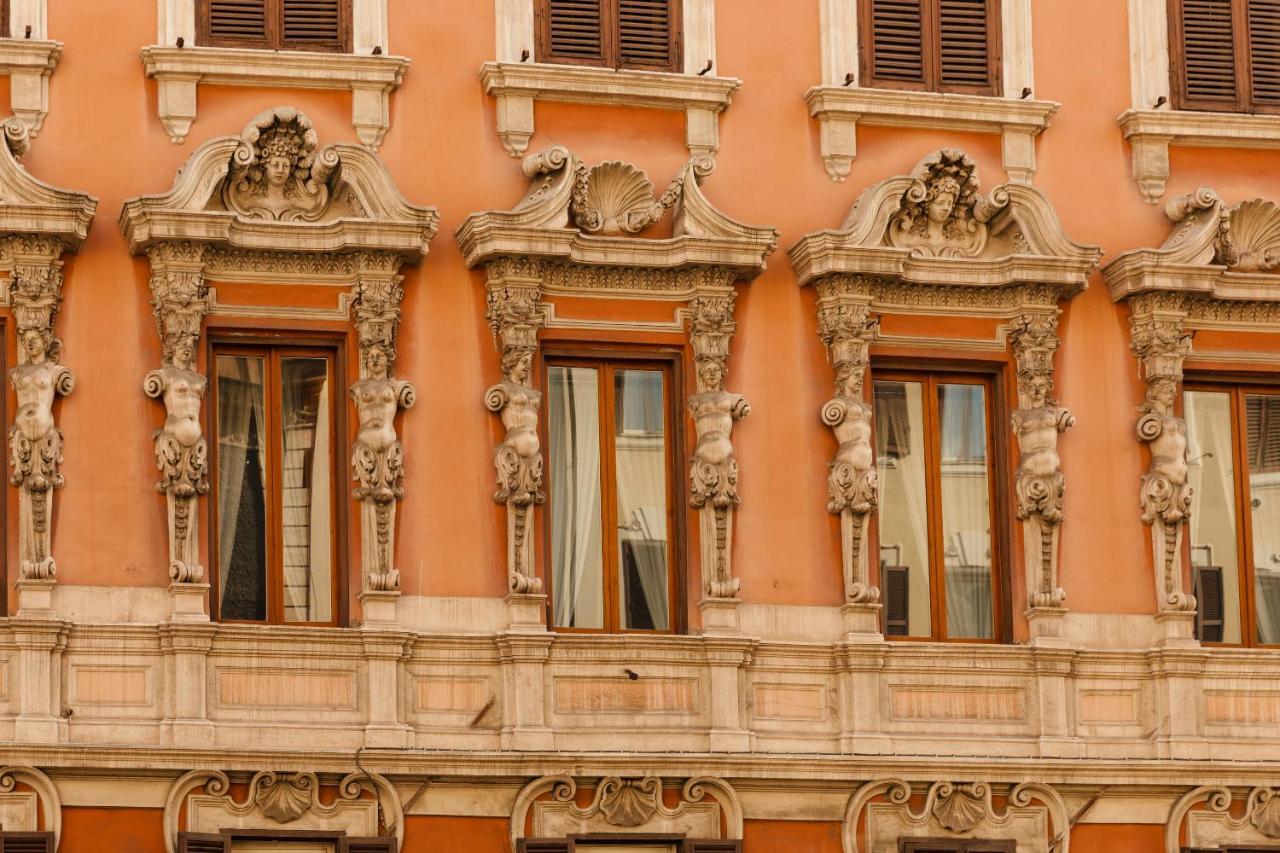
(35, 446)
(518, 461)
(853, 484)
(1166, 495)
(1040, 484)
(714, 469)
(182, 455)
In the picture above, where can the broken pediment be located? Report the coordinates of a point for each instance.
(591, 215)
(274, 188)
(936, 226)
(29, 206)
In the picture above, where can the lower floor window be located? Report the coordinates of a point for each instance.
(610, 455)
(1233, 468)
(956, 846)
(274, 484)
(934, 460)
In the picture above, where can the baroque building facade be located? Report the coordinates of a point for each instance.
(640, 426)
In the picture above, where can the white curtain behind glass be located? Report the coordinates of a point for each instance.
(573, 416)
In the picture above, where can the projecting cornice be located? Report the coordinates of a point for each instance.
(30, 207)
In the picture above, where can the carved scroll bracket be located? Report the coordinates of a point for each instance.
(847, 328)
(1208, 815)
(1037, 423)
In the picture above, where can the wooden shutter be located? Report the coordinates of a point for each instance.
(235, 23)
(196, 842)
(4, 20)
(932, 45)
(893, 44)
(572, 31)
(1262, 424)
(544, 845)
(897, 599)
(1264, 54)
(966, 46)
(366, 845)
(26, 842)
(1210, 613)
(692, 846)
(647, 34)
(1206, 40)
(315, 24)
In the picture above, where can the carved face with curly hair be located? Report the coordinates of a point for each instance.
(517, 364)
(36, 345)
(280, 149)
(940, 202)
(377, 362)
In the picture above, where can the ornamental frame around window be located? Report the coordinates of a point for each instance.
(608, 42)
(274, 25)
(993, 377)
(672, 361)
(222, 340)
(931, 52)
(368, 24)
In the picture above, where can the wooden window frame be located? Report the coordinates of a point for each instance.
(679, 843)
(1243, 102)
(956, 845)
(5, 19)
(46, 837)
(274, 40)
(340, 840)
(931, 52)
(930, 375)
(610, 358)
(1237, 388)
(610, 48)
(270, 346)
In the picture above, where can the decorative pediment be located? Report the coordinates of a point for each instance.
(1214, 819)
(273, 189)
(935, 226)
(35, 807)
(29, 207)
(589, 216)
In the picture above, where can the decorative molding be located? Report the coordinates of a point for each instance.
(1207, 815)
(272, 205)
(957, 810)
(29, 63)
(569, 235)
(45, 799)
(178, 73)
(626, 804)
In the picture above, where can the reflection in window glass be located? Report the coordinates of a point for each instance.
(641, 474)
(1211, 474)
(306, 490)
(573, 427)
(1262, 426)
(966, 510)
(242, 534)
(903, 518)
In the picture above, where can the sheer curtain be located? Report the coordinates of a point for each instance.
(966, 510)
(574, 432)
(241, 421)
(903, 519)
(1211, 474)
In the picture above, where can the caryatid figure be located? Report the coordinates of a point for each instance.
(1040, 484)
(1166, 494)
(377, 460)
(518, 462)
(35, 446)
(852, 484)
(714, 469)
(182, 455)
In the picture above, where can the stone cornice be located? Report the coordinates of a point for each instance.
(29, 63)
(30, 207)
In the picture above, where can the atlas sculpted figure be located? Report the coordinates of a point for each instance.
(377, 460)
(35, 445)
(518, 461)
(1166, 494)
(853, 485)
(182, 455)
(1040, 484)
(714, 469)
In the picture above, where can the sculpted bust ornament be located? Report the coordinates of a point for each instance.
(518, 460)
(277, 173)
(35, 444)
(714, 469)
(942, 213)
(182, 454)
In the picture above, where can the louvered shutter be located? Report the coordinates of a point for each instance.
(1206, 42)
(235, 23)
(966, 42)
(692, 846)
(545, 845)
(366, 845)
(897, 599)
(1208, 593)
(647, 34)
(1262, 428)
(894, 44)
(573, 31)
(4, 19)
(196, 842)
(1264, 54)
(314, 24)
(26, 842)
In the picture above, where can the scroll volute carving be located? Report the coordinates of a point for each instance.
(277, 171)
(943, 214)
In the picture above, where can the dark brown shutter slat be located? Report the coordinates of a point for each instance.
(574, 29)
(646, 33)
(1264, 52)
(545, 845)
(366, 845)
(1208, 54)
(896, 43)
(196, 842)
(26, 842)
(238, 21)
(897, 599)
(1208, 593)
(965, 45)
(313, 23)
(694, 846)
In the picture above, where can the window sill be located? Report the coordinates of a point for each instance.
(28, 63)
(178, 71)
(517, 85)
(840, 110)
(1151, 132)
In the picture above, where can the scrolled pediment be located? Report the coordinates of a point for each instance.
(935, 226)
(273, 188)
(31, 207)
(590, 216)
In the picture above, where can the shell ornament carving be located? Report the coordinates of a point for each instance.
(1265, 815)
(1254, 236)
(285, 797)
(629, 802)
(615, 198)
(960, 808)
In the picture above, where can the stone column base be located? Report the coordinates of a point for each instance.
(861, 623)
(525, 612)
(35, 598)
(720, 617)
(186, 602)
(378, 608)
(1046, 627)
(1177, 629)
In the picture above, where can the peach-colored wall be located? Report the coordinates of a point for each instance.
(86, 830)
(103, 136)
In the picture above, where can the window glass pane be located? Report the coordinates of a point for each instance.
(242, 530)
(577, 555)
(966, 510)
(1211, 473)
(903, 518)
(305, 490)
(1262, 426)
(641, 473)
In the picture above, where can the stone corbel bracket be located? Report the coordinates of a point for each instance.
(572, 236)
(516, 86)
(29, 63)
(1034, 815)
(931, 243)
(333, 217)
(41, 808)
(632, 805)
(179, 71)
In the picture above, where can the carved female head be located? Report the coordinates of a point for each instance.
(36, 344)
(710, 374)
(517, 364)
(940, 202)
(184, 352)
(377, 363)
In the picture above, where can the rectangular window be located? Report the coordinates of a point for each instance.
(275, 483)
(931, 45)
(276, 24)
(26, 842)
(934, 452)
(1233, 462)
(956, 846)
(641, 34)
(1225, 55)
(612, 520)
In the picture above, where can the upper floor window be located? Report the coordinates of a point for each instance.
(612, 510)
(276, 24)
(1233, 456)
(641, 34)
(934, 453)
(931, 45)
(275, 484)
(1225, 55)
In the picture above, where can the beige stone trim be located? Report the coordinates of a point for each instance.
(29, 63)
(517, 85)
(840, 110)
(46, 800)
(176, 19)
(179, 71)
(1213, 825)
